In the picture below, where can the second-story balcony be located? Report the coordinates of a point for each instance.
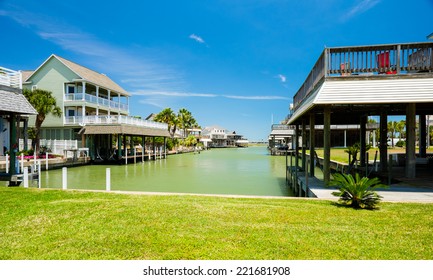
(112, 120)
(92, 99)
(377, 61)
(10, 78)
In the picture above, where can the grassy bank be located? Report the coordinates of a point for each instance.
(339, 155)
(53, 224)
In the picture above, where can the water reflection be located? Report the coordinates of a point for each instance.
(244, 171)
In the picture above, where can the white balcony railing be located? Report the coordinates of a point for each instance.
(96, 100)
(10, 78)
(114, 119)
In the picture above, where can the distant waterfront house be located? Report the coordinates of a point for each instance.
(217, 135)
(221, 137)
(281, 135)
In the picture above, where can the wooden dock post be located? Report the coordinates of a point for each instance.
(65, 178)
(22, 162)
(306, 176)
(26, 177)
(389, 170)
(39, 168)
(7, 163)
(108, 179)
(135, 155)
(327, 145)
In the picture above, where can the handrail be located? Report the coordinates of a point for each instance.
(114, 119)
(96, 100)
(10, 78)
(390, 59)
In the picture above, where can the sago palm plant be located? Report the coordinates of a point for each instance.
(356, 192)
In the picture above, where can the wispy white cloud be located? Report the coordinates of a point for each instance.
(282, 78)
(257, 97)
(208, 95)
(360, 7)
(172, 94)
(197, 39)
(133, 69)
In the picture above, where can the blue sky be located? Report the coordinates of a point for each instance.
(231, 63)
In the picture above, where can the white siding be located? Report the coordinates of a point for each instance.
(419, 90)
(375, 91)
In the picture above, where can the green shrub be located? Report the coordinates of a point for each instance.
(401, 143)
(356, 192)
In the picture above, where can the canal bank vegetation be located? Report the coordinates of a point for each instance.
(340, 154)
(54, 224)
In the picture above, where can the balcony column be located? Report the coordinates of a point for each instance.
(97, 100)
(118, 104)
(410, 140)
(84, 91)
(109, 102)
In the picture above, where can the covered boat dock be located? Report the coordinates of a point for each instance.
(116, 143)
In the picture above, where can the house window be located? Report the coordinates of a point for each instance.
(71, 112)
(70, 89)
(34, 87)
(67, 134)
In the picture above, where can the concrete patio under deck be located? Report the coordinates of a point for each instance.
(405, 190)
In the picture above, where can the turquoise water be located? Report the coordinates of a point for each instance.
(242, 171)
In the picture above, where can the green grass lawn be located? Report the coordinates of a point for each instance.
(55, 224)
(338, 154)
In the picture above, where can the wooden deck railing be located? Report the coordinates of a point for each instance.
(10, 78)
(394, 59)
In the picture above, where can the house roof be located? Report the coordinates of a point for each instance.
(123, 129)
(26, 74)
(13, 101)
(86, 74)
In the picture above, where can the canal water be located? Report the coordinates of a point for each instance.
(238, 171)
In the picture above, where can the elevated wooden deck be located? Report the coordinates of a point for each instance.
(359, 62)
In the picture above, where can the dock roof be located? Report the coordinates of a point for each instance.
(124, 129)
(13, 101)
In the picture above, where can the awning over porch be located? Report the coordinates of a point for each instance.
(368, 92)
(123, 129)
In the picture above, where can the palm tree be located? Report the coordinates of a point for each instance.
(44, 103)
(186, 120)
(392, 128)
(169, 117)
(356, 192)
(401, 128)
